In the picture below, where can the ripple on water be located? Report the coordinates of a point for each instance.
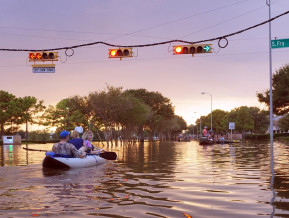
(175, 179)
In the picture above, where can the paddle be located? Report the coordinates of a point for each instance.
(108, 155)
(30, 149)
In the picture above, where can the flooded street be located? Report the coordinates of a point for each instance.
(166, 179)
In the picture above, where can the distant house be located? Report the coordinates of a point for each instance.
(276, 128)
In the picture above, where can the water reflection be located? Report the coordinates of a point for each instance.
(15, 155)
(174, 179)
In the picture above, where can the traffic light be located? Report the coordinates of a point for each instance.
(192, 49)
(43, 56)
(120, 53)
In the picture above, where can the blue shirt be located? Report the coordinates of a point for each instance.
(77, 142)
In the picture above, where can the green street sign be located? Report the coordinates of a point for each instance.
(279, 43)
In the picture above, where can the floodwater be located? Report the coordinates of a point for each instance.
(167, 179)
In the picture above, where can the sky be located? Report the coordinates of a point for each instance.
(231, 75)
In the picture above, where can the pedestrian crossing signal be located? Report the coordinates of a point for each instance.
(43, 56)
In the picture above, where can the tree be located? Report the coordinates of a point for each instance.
(280, 92)
(172, 127)
(283, 123)
(9, 110)
(219, 124)
(29, 108)
(261, 119)
(243, 119)
(67, 113)
(161, 108)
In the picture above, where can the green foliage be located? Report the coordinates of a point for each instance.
(17, 110)
(280, 91)
(29, 107)
(39, 135)
(161, 107)
(283, 123)
(261, 120)
(67, 113)
(8, 109)
(247, 119)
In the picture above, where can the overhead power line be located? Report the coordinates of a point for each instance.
(150, 44)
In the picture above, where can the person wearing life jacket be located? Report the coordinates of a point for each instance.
(64, 148)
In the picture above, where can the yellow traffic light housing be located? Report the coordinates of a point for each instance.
(43, 56)
(192, 49)
(120, 53)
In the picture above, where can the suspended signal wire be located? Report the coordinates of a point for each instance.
(185, 18)
(150, 44)
(118, 34)
(226, 21)
(152, 59)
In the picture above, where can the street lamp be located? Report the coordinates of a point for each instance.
(67, 118)
(211, 108)
(197, 128)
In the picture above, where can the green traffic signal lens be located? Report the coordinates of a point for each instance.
(207, 48)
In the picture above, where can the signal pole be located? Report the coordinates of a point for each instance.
(271, 118)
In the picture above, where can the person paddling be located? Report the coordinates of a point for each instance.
(65, 148)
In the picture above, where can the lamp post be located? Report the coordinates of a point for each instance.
(67, 118)
(211, 107)
(197, 128)
(200, 126)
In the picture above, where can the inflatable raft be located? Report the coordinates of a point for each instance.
(56, 161)
(206, 141)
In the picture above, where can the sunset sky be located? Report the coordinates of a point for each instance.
(232, 75)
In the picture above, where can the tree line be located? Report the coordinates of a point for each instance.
(252, 119)
(113, 113)
(246, 119)
(15, 111)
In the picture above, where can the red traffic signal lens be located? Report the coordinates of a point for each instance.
(112, 53)
(119, 52)
(178, 49)
(185, 50)
(32, 56)
(38, 56)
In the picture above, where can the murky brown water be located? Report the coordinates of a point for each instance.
(175, 179)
